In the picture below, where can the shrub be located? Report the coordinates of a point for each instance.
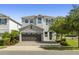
(5, 35)
(6, 38)
(63, 42)
(1, 42)
(7, 41)
(10, 38)
(14, 35)
(63, 39)
(13, 42)
(58, 41)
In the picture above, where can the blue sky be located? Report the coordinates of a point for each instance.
(16, 11)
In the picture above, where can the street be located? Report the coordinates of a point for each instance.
(53, 52)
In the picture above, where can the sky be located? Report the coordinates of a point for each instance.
(16, 11)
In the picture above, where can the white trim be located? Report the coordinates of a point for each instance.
(20, 37)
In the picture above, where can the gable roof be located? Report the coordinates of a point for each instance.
(30, 25)
(39, 15)
(2, 15)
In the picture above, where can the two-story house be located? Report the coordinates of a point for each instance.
(7, 24)
(36, 28)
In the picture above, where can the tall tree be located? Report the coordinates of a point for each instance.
(59, 26)
(73, 17)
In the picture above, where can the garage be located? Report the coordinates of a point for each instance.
(31, 37)
(31, 33)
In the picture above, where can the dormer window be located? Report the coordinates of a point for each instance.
(39, 20)
(26, 20)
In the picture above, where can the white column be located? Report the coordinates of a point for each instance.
(42, 37)
(48, 37)
(20, 37)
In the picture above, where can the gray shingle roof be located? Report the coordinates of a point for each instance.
(39, 15)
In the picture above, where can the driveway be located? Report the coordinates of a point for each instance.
(33, 48)
(26, 46)
(33, 43)
(28, 43)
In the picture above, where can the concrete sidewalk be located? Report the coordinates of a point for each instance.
(35, 50)
(22, 48)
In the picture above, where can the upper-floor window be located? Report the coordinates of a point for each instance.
(26, 20)
(3, 21)
(39, 20)
(31, 21)
(47, 21)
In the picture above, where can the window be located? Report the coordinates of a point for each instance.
(47, 21)
(0, 21)
(50, 21)
(39, 20)
(50, 35)
(46, 33)
(26, 20)
(3, 21)
(31, 21)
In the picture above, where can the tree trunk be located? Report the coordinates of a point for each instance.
(56, 36)
(61, 36)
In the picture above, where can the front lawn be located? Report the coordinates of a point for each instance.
(72, 42)
(73, 45)
(51, 47)
(2, 47)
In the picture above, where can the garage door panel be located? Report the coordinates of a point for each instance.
(31, 37)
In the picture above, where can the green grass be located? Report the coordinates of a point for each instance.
(2, 47)
(50, 47)
(73, 45)
(72, 42)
